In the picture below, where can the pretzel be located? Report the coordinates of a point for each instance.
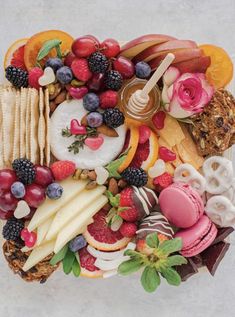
(186, 173)
(218, 172)
(221, 211)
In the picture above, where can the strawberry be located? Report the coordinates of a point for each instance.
(142, 246)
(128, 229)
(62, 169)
(108, 99)
(81, 69)
(163, 180)
(129, 213)
(34, 75)
(17, 59)
(141, 154)
(126, 197)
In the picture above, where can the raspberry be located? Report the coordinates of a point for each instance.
(128, 229)
(126, 197)
(129, 214)
(34, 75)
(108, 99)
(62, 169)
(81, 69)
(163, 180)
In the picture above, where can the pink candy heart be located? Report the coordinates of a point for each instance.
(78, 93)
(76, 128)
(94, 143)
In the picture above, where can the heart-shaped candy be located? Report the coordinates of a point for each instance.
(78, 92)
(76, 128)
(157, 169)
(94, 143)
(22, 210)
(47, 78)
(101, 175)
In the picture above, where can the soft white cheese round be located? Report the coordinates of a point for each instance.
(86, 158)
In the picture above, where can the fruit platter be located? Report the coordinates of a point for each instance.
(115, 158)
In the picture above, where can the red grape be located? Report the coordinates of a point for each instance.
(84, 46)
(96, 82)
(110, 47)
(7, 178)
(35, 195)
(44, 176)
(8, 201)
(124, 66)
(69, 59)
(4, 215)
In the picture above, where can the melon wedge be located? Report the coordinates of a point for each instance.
(50, 207)
(72, 209)
(76, 226)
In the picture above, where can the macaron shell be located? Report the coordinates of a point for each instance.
(197, 238)
(181, 205)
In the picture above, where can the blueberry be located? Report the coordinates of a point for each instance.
(94, 119)
(91, 101)
(64, 75)
(77, 243)
(142, 70)
(18, 190)
(54, 191)
(54, 63)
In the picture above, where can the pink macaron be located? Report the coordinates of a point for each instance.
(197, 238)
(181, 205)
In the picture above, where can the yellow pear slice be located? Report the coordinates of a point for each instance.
(43, 229)
(38, 254)
(71, 189)
(76, 226)
(72, 209)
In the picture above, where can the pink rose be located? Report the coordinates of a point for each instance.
(186, 94)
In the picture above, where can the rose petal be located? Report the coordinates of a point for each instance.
(165, 98)
(171, 75)
(176, 110)
(170, 92)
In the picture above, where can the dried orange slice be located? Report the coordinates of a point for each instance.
(17, 45)
(87, 262)
(220, 72)
(35, 43)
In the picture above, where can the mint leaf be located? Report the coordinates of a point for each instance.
(76, 268)
(133, 254)
(176, 260)
(130, 266)
(68, 261)
(170, 246)
(171, 276)
(47, 47)
(152, 240)
(59, 256)
(150, 279)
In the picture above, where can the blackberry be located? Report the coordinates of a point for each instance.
(12, 229)
(113, 80)
(25, 170)
(17, 76)
(135, 176)
(98, 63)
(113, 117)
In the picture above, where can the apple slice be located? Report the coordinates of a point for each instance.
(181, 55)
(50, 207)
(43, 229)
(38, 254)
(195, 65)
(75, 226)
(134, 47)
(72, 209)
(170, 46)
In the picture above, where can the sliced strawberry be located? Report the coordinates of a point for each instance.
(17, 59)
(141, 154)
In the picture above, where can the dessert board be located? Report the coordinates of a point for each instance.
(100, 178)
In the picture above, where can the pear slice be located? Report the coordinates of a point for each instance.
(71, 189)
(38, 254)
(43, 229)
(72, 209)
(76, 226)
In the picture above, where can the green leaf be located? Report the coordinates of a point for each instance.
(68, 261)
(150, 279)
(113, 166)
(171, 276)
(130, 266)
(176, 260)
(58, 51)
(59, 256)
(170, 246)
(113, 200)
(76, 268)
(186, 120)
(133, 254)
(152, 240)
(47, 47)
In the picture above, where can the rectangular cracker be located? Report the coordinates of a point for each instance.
(16, 137)
(1, 139)
(41, 127)
(47, 120)
(34, 118)
(23, 104)
(27, 124)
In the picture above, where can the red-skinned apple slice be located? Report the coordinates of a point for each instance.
(196, 65)
(136, 46)
(180, 56)
(169, 46)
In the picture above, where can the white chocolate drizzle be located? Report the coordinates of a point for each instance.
(144, 199)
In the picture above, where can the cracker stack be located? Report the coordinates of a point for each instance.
(24, 125)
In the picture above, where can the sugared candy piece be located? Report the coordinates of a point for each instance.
(94, 143)
(102, 175)
(47, 78)
(166, 155)
(158, 119)
(144, 133)
(22, 210)
(76, 128)
(78, 92)
(157, 169)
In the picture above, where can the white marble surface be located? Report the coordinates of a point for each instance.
(208, 21)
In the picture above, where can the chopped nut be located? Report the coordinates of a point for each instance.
(122, 184)
(54, 90)
(61, 97)
(113, 186)
(84, 174)
(104, 129)
(92, 175)
(202, 144)
(52, 106)
(91, 185)
(77, 174)
(84, 121)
